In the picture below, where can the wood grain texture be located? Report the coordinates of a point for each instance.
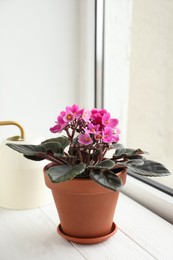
(149, 230)
(118, 247)
(31, 234)
(27, 235)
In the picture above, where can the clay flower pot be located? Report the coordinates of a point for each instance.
(85, 209)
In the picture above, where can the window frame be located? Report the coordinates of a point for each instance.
(150, 193)
(151, 197)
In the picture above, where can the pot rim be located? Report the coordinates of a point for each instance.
(80, 185)
(47, 166)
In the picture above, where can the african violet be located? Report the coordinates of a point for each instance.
(82, 152)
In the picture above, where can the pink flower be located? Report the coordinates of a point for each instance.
(107, 135)
(56, 129)
(107, 121)
(98, 136)
(60, 119)
(98, 111)
(95, 124)
(61, 124)
(115, 138)
(92, 129)
(86, 115)
(96, 118)
(74, 109)
(103, 111)
(116, 133)
(68, 117)
(85, 139)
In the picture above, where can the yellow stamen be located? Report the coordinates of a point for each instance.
(69, 117)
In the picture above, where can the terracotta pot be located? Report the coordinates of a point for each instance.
(86, 209)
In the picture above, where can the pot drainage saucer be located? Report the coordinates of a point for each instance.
(87, 241)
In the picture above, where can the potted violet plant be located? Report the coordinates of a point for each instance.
(85, 183)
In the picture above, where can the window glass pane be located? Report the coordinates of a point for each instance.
(150, 111)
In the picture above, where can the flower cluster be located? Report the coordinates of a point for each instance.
(93, 126)
(83, 152)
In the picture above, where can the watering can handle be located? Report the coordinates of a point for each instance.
(22, 133)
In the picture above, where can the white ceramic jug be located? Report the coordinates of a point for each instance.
(21, 180)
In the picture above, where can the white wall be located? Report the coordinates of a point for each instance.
(47, 60)
(39, 62)
(117, 60)
(150, 120)
(87, 30)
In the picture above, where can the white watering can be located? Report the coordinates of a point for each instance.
(21, 180)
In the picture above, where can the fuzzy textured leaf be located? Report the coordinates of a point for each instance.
(117, 146)
(63, 173)
(29, 150)
(149, 168)
(135, 162)
(63, 141)
(53, 147)
(106, 178)
(34, 157)
(108, 164)
(127, 152)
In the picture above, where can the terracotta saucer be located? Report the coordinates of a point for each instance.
(87, 241)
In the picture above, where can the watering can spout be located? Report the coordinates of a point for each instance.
(22, 133)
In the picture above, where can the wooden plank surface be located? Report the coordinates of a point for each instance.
(27, 235)
(31, 234)
(118, 247)
(139, 235)
(149, 230)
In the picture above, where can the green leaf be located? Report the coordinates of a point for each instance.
(108, 164)
(135, 162)
(127, 152)
(29, 150)
(63, 141)
(34, 158)
(63, 173)
(106, 178)
(117, 145)
(53, 147)
(149, 168)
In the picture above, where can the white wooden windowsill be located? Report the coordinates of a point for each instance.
(31, 234)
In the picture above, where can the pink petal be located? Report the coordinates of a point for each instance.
(85, 139)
